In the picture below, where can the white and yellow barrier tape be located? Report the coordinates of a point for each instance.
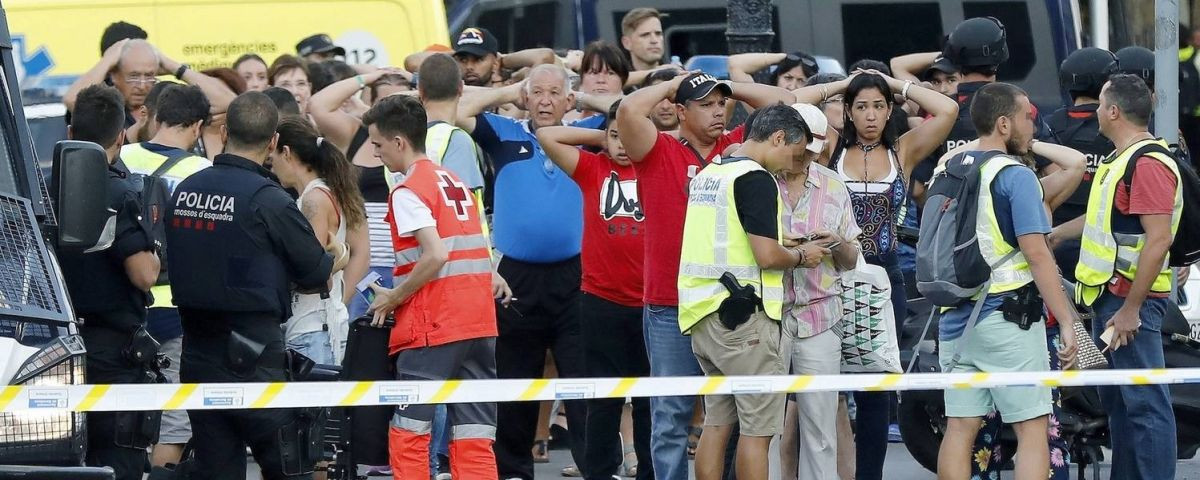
(94, 398)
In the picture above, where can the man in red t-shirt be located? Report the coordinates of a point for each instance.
(611, 300)
(665, 163)
(1140, 417)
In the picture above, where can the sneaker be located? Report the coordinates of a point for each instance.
(894, 434)
(379, 471)
(443, 476)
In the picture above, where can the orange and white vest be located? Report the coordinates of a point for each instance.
(457, 304)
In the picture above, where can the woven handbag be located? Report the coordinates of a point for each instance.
(1087, 355)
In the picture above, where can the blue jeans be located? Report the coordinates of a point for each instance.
(440, 443)
(358, 305)
(670, 355)
(1140, 420)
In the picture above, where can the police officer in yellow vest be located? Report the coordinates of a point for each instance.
(731, 285)
(1132, 215)
(181, 113)
(1004, 331)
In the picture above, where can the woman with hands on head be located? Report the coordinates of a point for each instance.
(875, 166)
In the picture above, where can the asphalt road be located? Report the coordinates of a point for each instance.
(899, 466)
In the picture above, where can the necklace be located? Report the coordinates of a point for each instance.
(1136, 138)
(866, 148)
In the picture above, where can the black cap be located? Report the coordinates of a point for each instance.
(319, 43)
(941, 64)
(977, 42)
(476, 41)
(698, 85)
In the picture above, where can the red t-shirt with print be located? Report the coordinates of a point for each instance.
(663, 176)
(1152, 192)
(613, 229)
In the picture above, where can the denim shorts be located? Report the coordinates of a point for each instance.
(314, 345)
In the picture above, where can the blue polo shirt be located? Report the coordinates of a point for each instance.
(537, 213)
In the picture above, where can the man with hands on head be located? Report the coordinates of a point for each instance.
(133, 66)
(669, 162)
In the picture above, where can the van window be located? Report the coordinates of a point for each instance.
(697, 31)
(511, 25)
(881, 31)
(1015, 17)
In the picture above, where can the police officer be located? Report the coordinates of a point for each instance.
(1135, 60)
(1081, 74)
(109, 290)
(238, 243)
(978, 46)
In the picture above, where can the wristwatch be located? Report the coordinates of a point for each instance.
(183, 68)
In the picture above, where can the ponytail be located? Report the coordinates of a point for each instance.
(328, 162)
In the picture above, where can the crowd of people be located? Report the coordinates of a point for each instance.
(600, 214)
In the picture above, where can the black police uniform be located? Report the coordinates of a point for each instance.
(1079, 128)
(238, 243)
(964, 128)
(112, 312)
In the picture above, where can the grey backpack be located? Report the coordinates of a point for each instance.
(950, 267)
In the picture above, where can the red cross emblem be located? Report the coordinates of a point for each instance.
(455, 194)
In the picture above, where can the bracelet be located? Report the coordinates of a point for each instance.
(361, 83)
(824, 94)
(904, 91)
(183, 68)
(803, 258)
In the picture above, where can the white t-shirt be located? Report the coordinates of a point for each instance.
(409, 213)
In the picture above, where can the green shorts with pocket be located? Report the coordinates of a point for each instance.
(997, 345)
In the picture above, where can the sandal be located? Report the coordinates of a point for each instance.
(541, 451)
(629, 463)
(693, 440)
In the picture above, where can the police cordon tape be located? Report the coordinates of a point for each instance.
(216, 396)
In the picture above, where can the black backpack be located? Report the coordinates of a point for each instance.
(950, 266)
(1185, 250)
(156, 198)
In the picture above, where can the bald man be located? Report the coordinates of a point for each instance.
(133, 66)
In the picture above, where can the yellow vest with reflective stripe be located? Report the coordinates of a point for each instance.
(1013, 273)
(142, 161)
(714, 242)
(1104, 253)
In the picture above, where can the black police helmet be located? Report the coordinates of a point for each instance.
(977, 42)
(1085, 70)
(1136, 60)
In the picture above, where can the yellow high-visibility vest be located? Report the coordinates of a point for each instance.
(715, 242)
(1104, 253)
(1014, 273)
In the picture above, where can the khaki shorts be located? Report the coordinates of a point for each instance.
(750, 349)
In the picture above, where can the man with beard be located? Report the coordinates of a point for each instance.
(478, 53)
(998, 337)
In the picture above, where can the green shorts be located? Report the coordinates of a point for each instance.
(998, 345)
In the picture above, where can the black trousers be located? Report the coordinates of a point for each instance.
(220, 437)
(544, 316)
(106, 364)
(614, 347)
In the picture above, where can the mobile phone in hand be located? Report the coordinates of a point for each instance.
(364, 286)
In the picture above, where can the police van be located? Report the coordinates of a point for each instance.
(40, 346)
(1040, 32)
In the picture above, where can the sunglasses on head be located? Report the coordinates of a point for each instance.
(806, 61)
